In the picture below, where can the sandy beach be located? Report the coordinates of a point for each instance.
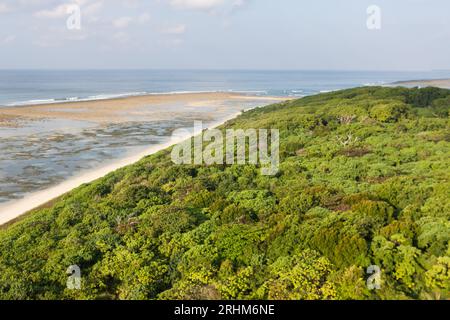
(439, 83)
(112, 124)
(119, 109)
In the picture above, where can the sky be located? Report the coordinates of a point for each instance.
(225, 34)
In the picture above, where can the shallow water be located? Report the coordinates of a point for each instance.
(37, 155)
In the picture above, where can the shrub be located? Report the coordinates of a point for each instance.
(389, 112)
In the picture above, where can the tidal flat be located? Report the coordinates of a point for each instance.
(45, 145)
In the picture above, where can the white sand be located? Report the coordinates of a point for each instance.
(439, 83)
(13, 209)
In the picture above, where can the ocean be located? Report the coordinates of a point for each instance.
(21, 87)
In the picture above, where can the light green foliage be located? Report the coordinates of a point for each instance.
(389, 112)
(300, 276)
(439, 275)
(363, 180)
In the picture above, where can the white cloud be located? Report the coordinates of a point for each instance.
(63, 10)
(7, 39)
(177, 29)
(207, 5)
(131, 3)
(56, 12)
(144, 18)
(196, 4)
(92, 8)
(122, 22)
(4, 8)
(238, 3)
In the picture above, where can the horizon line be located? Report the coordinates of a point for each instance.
(228, 69)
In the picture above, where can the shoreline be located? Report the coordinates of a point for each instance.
(439, 83)
(120, 109)
(107, 97)
(15, 209)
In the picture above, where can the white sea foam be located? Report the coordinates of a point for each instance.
(371, 84)
(123, 95)
(74, 99)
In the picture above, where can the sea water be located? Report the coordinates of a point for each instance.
(19, 87)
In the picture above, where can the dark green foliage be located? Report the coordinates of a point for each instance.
(363, 180)
(424, 97)
(441, 107)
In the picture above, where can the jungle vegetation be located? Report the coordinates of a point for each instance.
(363, 180)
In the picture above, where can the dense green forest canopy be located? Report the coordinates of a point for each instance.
(363, 180)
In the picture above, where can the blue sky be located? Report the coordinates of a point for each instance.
(226, 34)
